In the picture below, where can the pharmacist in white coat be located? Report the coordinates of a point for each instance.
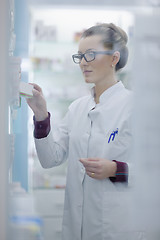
(95, 137)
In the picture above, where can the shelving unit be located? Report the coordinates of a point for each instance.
(49, 205)
(53, 69)
(4, 140)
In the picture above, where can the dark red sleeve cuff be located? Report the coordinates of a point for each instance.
(121, 173)
(42, 128)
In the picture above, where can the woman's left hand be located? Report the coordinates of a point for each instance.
(99, 168)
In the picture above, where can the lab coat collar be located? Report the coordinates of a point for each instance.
(109, 92)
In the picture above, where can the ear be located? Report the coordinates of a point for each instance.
(115, 58)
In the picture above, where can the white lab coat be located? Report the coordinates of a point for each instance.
(93, 209)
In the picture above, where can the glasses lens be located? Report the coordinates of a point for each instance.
(77, 58)
(90, 56)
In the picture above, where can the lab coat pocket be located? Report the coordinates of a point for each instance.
(117, 215)
(119, 148)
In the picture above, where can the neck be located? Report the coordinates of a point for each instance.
(101, 87)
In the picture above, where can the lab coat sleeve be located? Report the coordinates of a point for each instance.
(53, 149)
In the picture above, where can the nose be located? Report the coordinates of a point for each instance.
(83, 61)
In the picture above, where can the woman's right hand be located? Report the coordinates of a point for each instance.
(38, 103)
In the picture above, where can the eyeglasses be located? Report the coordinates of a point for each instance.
(89, 56)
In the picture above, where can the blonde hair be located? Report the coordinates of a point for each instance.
(113, 37)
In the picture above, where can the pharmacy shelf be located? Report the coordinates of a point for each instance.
(53, 49)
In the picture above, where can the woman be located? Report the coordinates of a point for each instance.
(95, 137)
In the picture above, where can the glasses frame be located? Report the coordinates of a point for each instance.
(108, 52)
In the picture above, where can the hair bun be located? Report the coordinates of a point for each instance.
(119, 31)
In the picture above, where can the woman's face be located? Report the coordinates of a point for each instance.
(100, 69)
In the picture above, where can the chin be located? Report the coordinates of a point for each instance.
(88, 80)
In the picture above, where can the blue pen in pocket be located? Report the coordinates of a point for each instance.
(112, 135)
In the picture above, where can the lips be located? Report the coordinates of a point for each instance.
(86, 72)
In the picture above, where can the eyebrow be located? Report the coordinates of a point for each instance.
(88, 50)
